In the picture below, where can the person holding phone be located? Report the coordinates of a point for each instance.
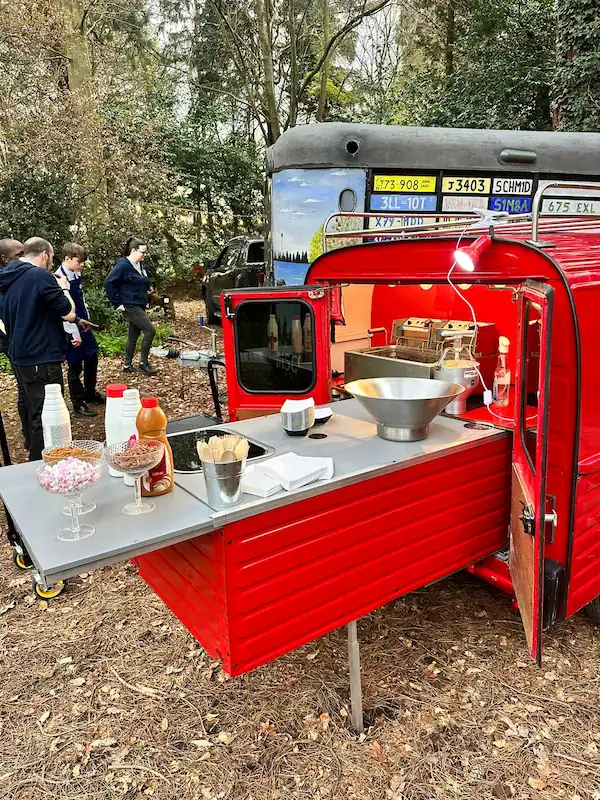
(82, 352)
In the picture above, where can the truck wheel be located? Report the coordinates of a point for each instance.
(211, 317)
(593, 610)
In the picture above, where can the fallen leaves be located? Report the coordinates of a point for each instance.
(77, 681)
(537, 783)
(6, 608)
(44, 717)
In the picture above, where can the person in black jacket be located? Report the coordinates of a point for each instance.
(127, 287)
(11, 249)
(32, 308)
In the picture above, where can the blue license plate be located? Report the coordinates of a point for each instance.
(512, 205)
(409, 202)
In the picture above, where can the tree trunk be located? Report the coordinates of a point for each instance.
(293, 64)
(577, 79)
(76, 46)
(266, 53)
(321, 110)
(450, 38)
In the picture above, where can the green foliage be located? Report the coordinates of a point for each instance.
(5, 364)
(577, 79)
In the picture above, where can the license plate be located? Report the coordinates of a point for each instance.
(512, 186)
(512, 205)
(575, 207)
(466, 185)
(404, 183)
(396, 222)
(463, 203)
(559, 192)
(410, 202)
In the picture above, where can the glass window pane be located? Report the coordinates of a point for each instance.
(532, 321)
(275, 346)
(347, 200)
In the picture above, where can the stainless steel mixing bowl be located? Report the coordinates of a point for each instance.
(403, 408)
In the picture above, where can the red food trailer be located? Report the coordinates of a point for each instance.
(536, 283)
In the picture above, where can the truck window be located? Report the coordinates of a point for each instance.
(256, 252)
(233, 252)
(273, 358)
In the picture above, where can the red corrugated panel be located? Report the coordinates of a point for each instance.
(267, 585)
(190, 579)
(585, 565)
(298, 572)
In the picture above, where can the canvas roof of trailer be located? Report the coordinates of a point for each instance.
(386, 146)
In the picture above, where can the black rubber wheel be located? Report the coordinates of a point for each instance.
(211, 317)
(21, 562)
(593, 610)
(49, 594)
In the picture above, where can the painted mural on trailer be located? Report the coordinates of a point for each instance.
(302, 199)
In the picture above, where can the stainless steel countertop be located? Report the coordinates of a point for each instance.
(352, 442)
(38, 518)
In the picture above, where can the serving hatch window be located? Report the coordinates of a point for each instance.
(275, 346)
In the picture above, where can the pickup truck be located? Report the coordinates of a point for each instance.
(240, 264)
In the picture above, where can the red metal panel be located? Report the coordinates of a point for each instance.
(585, 565)
(190, 579)
(298, 572)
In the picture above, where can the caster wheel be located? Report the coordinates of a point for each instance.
(20, 561)
(51, 593)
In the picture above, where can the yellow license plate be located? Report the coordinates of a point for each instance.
(466, 185)
(404, 183)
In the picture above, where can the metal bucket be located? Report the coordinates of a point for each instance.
(224, 482)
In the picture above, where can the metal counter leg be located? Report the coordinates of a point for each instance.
(356, 703)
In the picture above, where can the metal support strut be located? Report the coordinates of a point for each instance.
(356, 704)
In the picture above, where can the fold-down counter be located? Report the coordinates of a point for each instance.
(276, 573)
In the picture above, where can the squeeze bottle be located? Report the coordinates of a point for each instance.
(152, 424)
(502, 375)
(112, 418)
(129, 411)
(56, 421)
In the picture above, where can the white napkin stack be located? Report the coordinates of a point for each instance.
(288, 471)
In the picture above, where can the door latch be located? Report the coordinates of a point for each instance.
(229, 312)
(527, 517)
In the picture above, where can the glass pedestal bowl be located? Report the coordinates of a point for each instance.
(51, 455)
(69, 477)
(135, 458)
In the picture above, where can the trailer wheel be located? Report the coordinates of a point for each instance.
(20, 562)
(49, 594)
(593, 610)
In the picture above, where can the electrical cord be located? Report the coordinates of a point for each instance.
(487, 394)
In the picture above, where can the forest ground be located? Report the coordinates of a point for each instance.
(104, 694)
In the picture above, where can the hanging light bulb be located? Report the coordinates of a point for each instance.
(467, 257)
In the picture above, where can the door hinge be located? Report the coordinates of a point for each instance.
(527, 517)
(229, 312)
(316, 294)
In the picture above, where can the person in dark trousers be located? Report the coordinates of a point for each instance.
(10, 250)
(127, 287)
(32, 308)
(82, 352)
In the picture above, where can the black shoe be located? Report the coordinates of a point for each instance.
(84, 411)
(96, 397)
(128, 368)
(147, 369)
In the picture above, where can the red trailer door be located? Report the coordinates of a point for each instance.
(528, 514)
(276, 344)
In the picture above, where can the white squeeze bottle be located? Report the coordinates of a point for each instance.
(130, 406)
(112, 418)
(56, 421)
(502, 375)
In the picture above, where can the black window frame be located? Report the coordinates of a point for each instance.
(273, 301)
